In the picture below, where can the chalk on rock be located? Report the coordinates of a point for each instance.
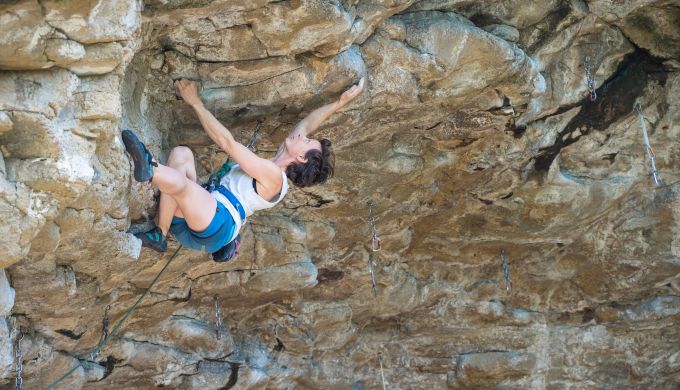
(6, 350)
(6, 295)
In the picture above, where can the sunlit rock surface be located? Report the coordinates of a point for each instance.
(474, 136)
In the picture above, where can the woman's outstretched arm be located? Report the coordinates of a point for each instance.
(264, 171)
(311, 123)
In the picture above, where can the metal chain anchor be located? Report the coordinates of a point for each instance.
(590, 82)
(218, 318)
(18, 363)
(506, 272)
(375, 246)
(648, 147)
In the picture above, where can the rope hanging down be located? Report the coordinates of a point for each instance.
(18, 363)
(118, 324)
(218, 318)
(375, 246)
(506, 272)
(590, 82)
(650, 151)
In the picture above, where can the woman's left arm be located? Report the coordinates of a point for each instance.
(264, 171)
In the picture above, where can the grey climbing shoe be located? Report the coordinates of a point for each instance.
(228, 251)
(140, 156)
(154, 239)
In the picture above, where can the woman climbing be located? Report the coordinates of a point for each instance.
(210, 221)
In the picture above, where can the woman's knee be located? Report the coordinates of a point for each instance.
(180, 155)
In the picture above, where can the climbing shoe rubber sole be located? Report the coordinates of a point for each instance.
(154, 239)
(140, 156)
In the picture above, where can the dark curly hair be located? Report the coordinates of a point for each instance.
(318, 168)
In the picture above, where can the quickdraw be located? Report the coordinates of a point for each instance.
(506, 272)
(215, 178)
(18, 363)
(590, 82)
(375, 246)
(648, 147)
(104, 330)
(218, 318)
(372, 272)
(382, 373)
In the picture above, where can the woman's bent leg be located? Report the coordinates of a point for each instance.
(196, 204)
(182, 159)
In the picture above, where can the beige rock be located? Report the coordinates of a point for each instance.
(469, 143)
(98, 59)
(7, 296)
(6, 349)
(24, 36)
(94, 22)
(64, 51)
(655, 29)
(5, 123)
(45, 92)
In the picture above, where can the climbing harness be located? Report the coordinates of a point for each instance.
(215, 178)
(650, 151)
(105, 328)
(375, 247)
(506, 272)
(218, 318)
(590, 82)
(18, 363)
(382, 373)
(116, 328)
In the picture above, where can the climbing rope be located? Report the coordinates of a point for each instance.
(215, 178)
(116, 328)
(382, 373)
(218, 318)
(590, 82)
(18, 363)
(648, 147)
(375, 246)
(506, 272)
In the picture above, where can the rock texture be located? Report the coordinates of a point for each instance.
(474, 136)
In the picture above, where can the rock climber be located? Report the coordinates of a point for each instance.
(210, 221)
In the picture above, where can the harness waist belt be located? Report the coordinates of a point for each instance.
(232, 198)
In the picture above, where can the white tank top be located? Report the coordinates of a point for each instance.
(241, 185)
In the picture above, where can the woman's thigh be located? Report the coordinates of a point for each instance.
(197, 205)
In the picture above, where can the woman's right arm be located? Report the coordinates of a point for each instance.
(264, 171)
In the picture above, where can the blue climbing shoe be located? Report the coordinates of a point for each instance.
(228, 251)
(140, 156)
(154, 239)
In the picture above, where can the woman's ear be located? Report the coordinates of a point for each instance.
(301, 159)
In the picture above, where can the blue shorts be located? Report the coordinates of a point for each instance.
(214, 237)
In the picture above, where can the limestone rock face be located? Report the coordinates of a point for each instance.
(475, 139)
